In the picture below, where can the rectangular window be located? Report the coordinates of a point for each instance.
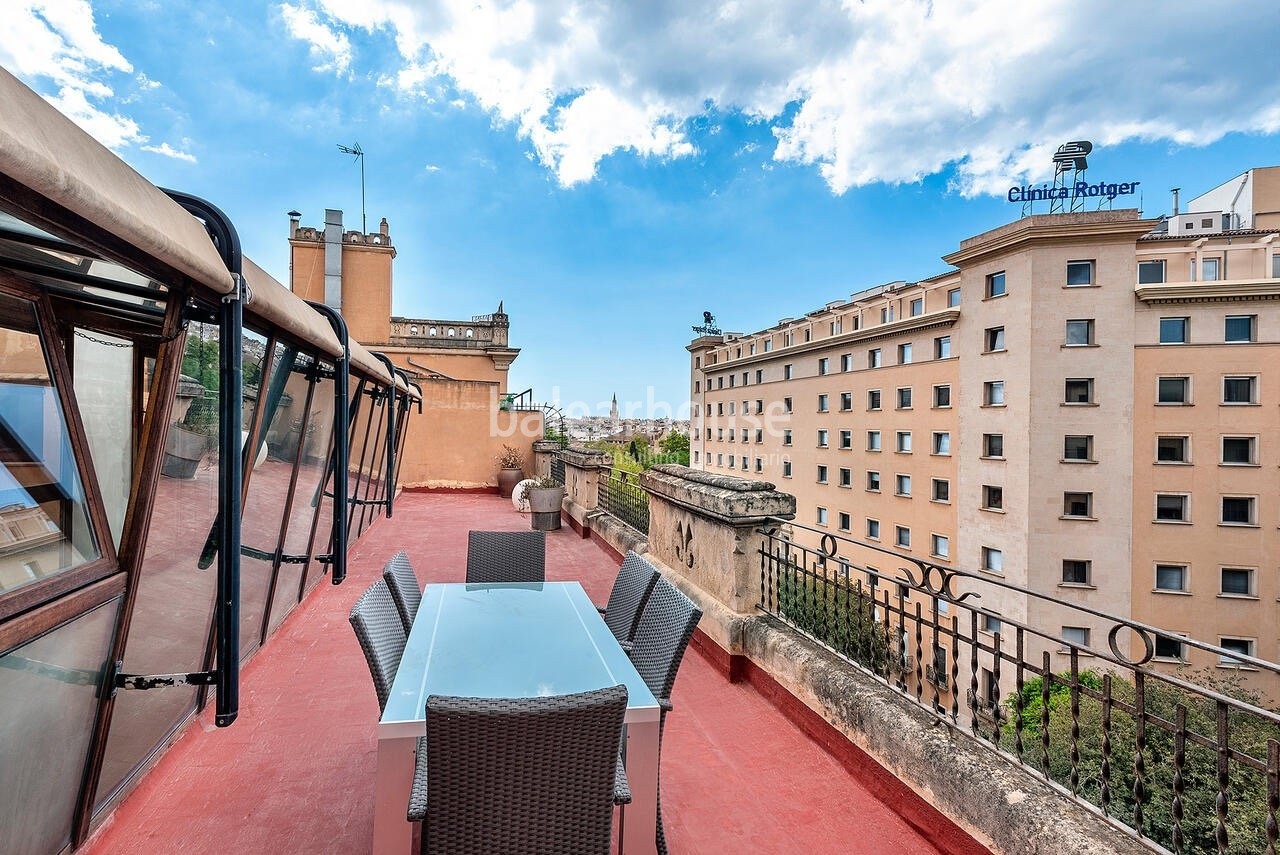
(993, 339)
(720, 460)
(1171, 577)
(759, 464)
(873, 440)
(1239, 450)
(697, 386)
(992, 560)
(873, 399)
(1169, 647)
(902, 536)
(822, 516)
(1239, 646)
(786, 469)
(822, 403)
(1079, 273)
(846, 362)
(720, 434)
(873, 529)
(786, 437)
(904, 354)
(1172, 507)
(1172, 449)
(731, 461)
(720, 409)
(760, 375)
(917, 306)
(1240, 328)
(1151, 272)
(720, 382)
(995, 284)
(744, 434)
(886, 315)
(993, 445)
(941, 546)
(846, 402)
(786, 371)
(902, 485)
(904, 441)
(1209, 269)
(873, 481)
(993, 393)
(992, 497)
(1076, 636)
(846, 477)
(1173, 390)
(941, 396)
(1076, 571)
(1078, 505)
(1175, 330)
(1079, 332)
(873, 358)
(1238, 510)
(1079, 390)
(823, 365)
(1239, 390)
(846, 439)
(744, 378)
(904, 398)
(768, 345)
(759, 406)
(731, 379)
(941, 490)
(1077, 447)
(1237, 582)
(822, 439)
(822, 474)
(953, 296)
(942, 347)
(942, 442)
(788, 405)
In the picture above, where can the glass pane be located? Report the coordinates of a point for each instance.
(44, 529)
(169, 631)
(263, 504)
(102, 369)
(48, 698)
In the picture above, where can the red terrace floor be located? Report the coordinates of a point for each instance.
(295, 772)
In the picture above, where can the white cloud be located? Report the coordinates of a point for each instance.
(169, 151)
(56, 41)
(880, 90)
(330, 49)
(430, 167)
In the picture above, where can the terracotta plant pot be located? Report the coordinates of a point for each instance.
(507, 481)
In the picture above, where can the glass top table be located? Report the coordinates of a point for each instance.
(510, 640)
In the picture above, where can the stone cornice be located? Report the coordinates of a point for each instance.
(1122, 226)
(735, 501)
(1224, 291)
(933, 320)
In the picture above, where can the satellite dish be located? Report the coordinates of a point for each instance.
(520, 495)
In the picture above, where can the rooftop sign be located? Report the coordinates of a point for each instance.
(1069, 189)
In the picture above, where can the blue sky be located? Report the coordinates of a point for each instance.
(612, 170)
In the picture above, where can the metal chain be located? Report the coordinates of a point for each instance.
(159, 339)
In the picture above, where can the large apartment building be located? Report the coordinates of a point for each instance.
(1086, 405)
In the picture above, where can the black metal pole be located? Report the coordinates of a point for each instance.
(389, 465)
(230, 481)
(341, 440)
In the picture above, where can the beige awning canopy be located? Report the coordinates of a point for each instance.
(102, 199)
(365, 363)
(280, 308)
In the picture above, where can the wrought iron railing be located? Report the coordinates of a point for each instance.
(557, 468)
(622, 496)
(1187, 761)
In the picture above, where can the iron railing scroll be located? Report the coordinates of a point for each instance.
(1186, 760)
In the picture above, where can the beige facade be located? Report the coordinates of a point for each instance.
(1018, 428)
(461, 365)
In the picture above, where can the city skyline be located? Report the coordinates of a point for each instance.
(755, 182)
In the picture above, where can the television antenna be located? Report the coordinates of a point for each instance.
(359, 155)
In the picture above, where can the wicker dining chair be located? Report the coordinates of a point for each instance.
(527, 775)
(635, 581)
(506, 556)
(662, 635)
(382, 637)
(404, 586)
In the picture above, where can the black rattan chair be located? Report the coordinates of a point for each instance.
(635, 580)
(404, 586)
(662, 635)
(382, 637)
(506, 556)
(527, 775)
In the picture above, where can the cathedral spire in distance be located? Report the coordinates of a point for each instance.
(613, 410)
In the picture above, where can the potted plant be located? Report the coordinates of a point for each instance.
(545, 498)
(510, 470)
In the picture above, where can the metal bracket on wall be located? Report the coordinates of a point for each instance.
(121, 680)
